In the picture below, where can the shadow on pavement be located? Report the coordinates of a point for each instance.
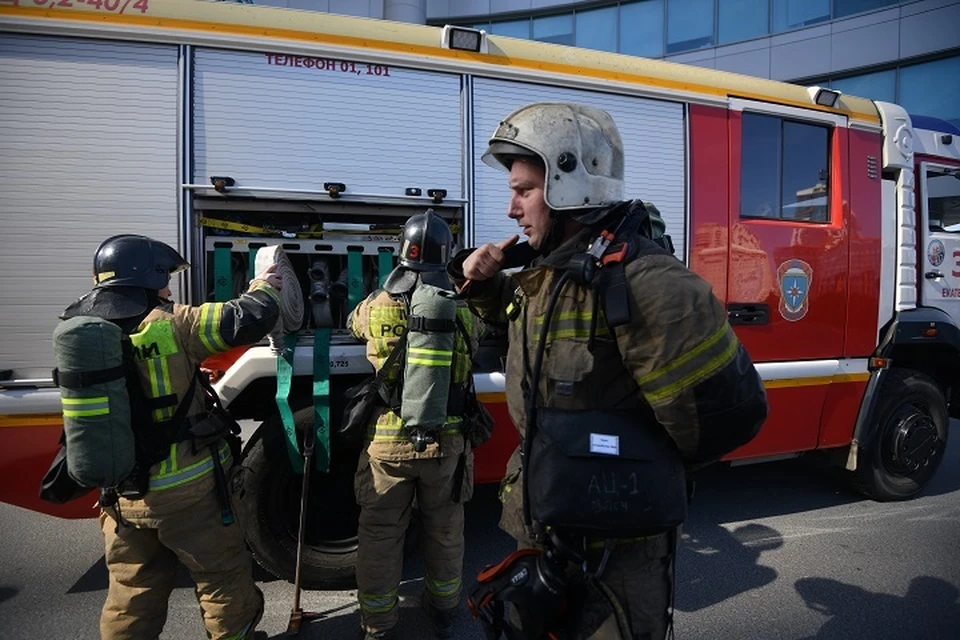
(714, 564)
(852, 609)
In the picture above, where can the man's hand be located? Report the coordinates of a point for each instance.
(487, 260)
(270, 276)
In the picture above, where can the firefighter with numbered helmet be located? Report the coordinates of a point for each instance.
(175, 507)
(607, 330)
(416, 449)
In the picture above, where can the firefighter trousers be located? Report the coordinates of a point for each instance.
(142, 556)
(385, 491)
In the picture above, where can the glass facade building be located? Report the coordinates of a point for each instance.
(760, 37)
(905, 51)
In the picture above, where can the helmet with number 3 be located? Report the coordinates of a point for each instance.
(424, 251)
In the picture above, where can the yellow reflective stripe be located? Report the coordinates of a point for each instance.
(85, 407)
(443, 589)
(718, 353)
(713, 339)
(160, 386)
(377, 603)
(195, 471)
(430, 357)
(425, 351)
(268, 290)
(210, 327)
(83, 401)
(86, 413)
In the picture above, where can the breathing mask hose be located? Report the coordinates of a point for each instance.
(534, 390)
(291, 297)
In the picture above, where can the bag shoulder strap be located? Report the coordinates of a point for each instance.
(398, 350)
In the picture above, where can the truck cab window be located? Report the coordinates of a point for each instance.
(943, 200)
(784, 169)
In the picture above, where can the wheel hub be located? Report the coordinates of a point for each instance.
(915, 440)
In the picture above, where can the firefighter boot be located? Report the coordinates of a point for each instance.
(441, 620)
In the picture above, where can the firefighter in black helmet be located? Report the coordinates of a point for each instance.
(178, 510)
(424, 252)
(396, 465)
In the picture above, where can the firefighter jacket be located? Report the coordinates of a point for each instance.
(380, 320)
(676, 361)
(170, 343)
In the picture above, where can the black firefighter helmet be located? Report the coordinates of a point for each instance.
(129, 270)
(424, 251)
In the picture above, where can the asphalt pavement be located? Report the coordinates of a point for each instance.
(777, 550)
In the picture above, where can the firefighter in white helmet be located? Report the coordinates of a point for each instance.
(629, 331)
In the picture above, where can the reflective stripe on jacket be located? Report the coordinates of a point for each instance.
(380, 320)
(171, 342)
(677, 340)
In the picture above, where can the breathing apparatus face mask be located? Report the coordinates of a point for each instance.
(536, 585)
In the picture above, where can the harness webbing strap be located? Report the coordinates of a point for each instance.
(354, 277)
(222, 273)
(384, 265)
(253, 263)
(321, 398)
(284, 380)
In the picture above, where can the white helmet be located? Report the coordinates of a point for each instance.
(580, 147)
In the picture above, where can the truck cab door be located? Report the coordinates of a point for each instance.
(940, 233)
(788, 261)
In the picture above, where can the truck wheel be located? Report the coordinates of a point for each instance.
(910, 438)
(269, 508)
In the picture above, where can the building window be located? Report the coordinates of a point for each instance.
(555, 29)
(843, 8)
(597, 29)
(689, 25)
(932, 89)
(943, 200)
(879, 85)
(641, 28)
(793, 14)
(742, 20)
(784, 169)
(512, 28)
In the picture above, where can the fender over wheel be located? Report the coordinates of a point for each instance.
(910, 426)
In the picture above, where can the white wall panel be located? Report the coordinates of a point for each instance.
(280, 121)
(89, 135)
(653, 138)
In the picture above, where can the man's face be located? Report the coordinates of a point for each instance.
(165, 293)
(527, 205)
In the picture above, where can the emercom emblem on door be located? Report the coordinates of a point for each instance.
(795, 277)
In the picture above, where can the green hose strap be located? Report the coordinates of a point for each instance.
(321, 398)
(284, 380)
(253, 262)
(384, 265)
(222, 274)
(354, 277)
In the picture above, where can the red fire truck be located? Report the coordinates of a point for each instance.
(829, 225)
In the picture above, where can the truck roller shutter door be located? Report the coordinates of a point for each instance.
(653, 133)
(89, 131)
(295, 122)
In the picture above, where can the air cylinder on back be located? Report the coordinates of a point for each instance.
(96, 407)
(430, 338)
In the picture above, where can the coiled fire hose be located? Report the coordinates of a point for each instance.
(291, 298)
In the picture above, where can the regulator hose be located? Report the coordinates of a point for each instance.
(291, 297)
